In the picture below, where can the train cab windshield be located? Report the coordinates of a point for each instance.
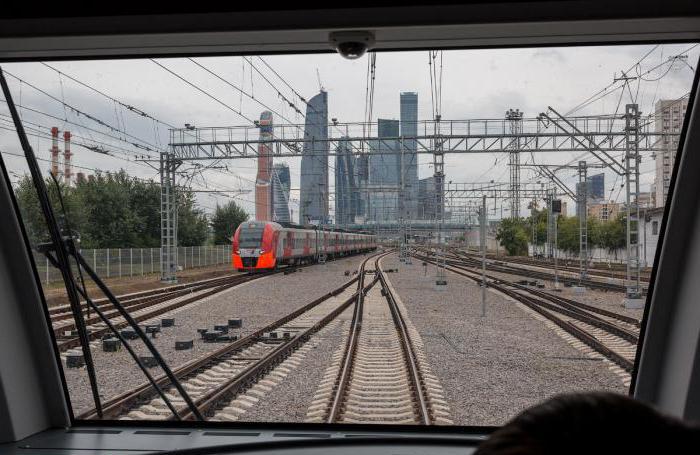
(434, 237)
(250, 236)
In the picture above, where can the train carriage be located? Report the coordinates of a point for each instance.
(266, 245)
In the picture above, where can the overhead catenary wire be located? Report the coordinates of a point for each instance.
(46, 114)
(98, 147)
(121, 103)
(81, 112)
(608, 90)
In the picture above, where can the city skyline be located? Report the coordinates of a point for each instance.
(562, 77)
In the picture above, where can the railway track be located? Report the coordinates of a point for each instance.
(217, 382)
(142, 306)
(466, 259)
(380, 375)
(616, 271)
(612, 335)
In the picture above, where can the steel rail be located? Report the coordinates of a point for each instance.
(415, 374)
(228, 282)
(595, 272)
(545, 309)
(345, 371)
(122, 403)
(512, 270)
(61, 309)
(74, 342)
(571, 308)
(249, 376)
(601, 268)
(138, 303)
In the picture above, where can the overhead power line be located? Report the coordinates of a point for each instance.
(83, 113)
(111, 98)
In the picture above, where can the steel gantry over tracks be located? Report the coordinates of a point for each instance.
(603, 136)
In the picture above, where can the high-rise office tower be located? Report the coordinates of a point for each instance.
(346, 185)
(313, 204)
(409, 130)
(362, 170)
(263, 187)
(669, 119)
(281, 184)
(427, 199)
(596, 187)
(384, 172)
(384, 158)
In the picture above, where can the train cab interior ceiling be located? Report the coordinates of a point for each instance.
(462, 227)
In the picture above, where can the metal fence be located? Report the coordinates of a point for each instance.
(126, 262)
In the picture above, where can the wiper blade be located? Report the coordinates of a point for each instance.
(63, 248)
(58, 244)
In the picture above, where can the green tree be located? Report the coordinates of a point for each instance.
(612, 235)
(568, 234)
(512, 236)
(110, 218)
(112, 210)
(192, 223)
(33, 217)
(225, 221)
(538, 218)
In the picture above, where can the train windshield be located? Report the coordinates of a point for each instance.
(250, 237)
(481, 223)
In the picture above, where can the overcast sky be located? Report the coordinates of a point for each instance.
(475, 84)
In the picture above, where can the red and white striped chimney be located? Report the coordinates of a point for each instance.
(54, 151)
(67, 171)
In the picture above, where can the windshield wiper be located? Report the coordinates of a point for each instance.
(59, 251)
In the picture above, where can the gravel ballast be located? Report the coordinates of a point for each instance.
(494, 367)
(289, 401)
(607, 300)
(258, 303)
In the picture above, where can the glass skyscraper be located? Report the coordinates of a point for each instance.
(347, 197)
(596, 186)
(409, 129)
(384, 172)
(281, 184)
(313, 203)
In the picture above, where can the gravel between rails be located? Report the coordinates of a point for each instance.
(491, 368)
(258, 303)
(607, 300)
(289, 401)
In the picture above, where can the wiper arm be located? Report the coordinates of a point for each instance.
(57, 242)
(91, 304)
(63, 249)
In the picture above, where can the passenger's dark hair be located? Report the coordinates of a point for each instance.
(592, 423)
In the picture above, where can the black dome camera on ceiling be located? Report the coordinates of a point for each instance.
(352, 44)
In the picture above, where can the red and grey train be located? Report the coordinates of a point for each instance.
(265, 245)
